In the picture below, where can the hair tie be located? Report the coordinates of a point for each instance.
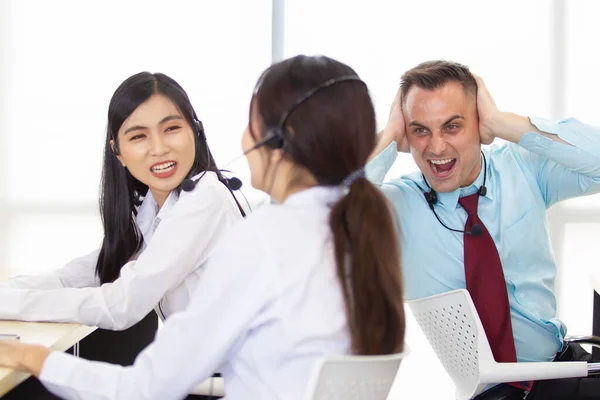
(353, 177)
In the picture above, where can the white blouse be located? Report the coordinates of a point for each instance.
(271, 296)
(176, 243)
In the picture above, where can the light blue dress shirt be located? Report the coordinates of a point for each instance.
(522, 182)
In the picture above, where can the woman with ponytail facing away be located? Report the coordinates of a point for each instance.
(315, 275)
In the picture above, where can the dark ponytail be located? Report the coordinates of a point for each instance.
(368, 266)
(331, 136)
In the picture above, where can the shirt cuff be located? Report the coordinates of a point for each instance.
(57, 368)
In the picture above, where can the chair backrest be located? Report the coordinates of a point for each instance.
(353, 377)
(452, 327)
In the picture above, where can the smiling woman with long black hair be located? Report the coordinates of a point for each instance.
(156, 236)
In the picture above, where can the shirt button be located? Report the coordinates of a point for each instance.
(578, 151)
(522, 296)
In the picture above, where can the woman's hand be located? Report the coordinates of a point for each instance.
(22, 356)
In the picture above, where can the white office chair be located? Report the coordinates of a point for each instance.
(213, 386)
(452, 327)
(353, 377)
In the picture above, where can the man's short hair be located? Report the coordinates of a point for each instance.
(431, 75)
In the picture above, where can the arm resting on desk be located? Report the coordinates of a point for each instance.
(184, 352)
(80, 272)
(22, 356)
(189, 233)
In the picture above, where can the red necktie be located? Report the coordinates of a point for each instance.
(487, 286)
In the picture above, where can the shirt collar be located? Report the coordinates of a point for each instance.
(316, 195)
(169, 204)
(148, 211)
(449, 200)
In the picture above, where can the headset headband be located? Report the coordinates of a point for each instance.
(312, 92)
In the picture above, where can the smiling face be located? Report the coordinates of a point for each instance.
(442, 130)
(156, 144)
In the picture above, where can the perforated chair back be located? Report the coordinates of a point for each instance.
(453, 331)
(354, 377)
(453, 328)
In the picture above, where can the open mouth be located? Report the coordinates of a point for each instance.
(164, 170)
(443, 167)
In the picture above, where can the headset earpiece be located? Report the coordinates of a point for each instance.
(115, 147)
(199, 127)
(273, 139)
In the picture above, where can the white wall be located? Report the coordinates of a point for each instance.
(579, 219)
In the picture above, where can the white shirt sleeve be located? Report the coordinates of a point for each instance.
(78, 273)
(181, 244)
(238, 283)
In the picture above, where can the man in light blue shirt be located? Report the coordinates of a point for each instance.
(441, 115)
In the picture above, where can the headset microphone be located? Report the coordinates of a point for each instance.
(476, 230)
(189, 184)
(232, 183)
(432, 198)
(274, 137)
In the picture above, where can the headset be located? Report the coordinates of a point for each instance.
(432, 198)
(189, 184)
(231, 184)
(275, 137)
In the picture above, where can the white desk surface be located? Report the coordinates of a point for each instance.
(56, 336)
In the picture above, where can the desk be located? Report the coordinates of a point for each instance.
(59, 337)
